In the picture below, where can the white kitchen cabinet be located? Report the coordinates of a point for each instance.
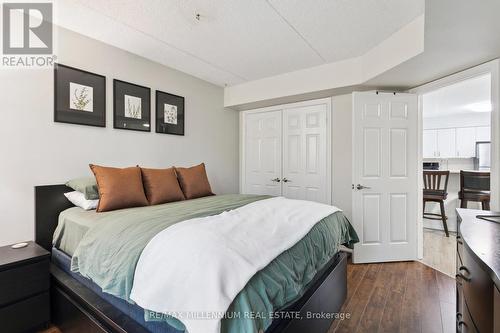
(429, 143)
(466, 142)
(446, 143)
(483, 133)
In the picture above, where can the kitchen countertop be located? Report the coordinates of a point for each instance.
(458, 171)
(483, 239)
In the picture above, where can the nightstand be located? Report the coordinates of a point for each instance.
(24, 288)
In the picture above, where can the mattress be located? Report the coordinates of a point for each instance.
(110, 243)
(63, 261)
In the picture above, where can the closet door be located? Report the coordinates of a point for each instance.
(262, 149)
(305, 153)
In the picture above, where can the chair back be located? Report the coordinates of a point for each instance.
(436, 181)
(474, 181)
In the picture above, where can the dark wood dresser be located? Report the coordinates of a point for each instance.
(24, 288)
(478, 272)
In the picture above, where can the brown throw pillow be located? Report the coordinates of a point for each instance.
(119, 188)
(194, 181)
(161, 185)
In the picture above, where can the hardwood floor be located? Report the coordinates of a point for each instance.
(51, 329)
(397, 297)
(394, 297)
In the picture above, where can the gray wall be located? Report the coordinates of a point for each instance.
(35, 150)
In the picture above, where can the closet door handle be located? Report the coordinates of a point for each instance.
(277, 180)
(286, 180)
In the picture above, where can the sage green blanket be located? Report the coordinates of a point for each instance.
(108, 253)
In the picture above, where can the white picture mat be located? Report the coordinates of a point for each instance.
(81, 97)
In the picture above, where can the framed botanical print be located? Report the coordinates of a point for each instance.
(79, 96)
(169, 113)
(131, 106)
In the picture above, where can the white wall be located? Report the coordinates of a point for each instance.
(36, 151)
(342, 152)
(458, 120)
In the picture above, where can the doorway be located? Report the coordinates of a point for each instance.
(457, 115)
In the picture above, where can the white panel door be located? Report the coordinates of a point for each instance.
(466, 142)
(446, 142)
(262, 147)
(429, 143)
(305, 153)
(385, 176)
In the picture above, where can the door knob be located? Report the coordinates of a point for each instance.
(286, 180)
(361, 187)
(277, 180)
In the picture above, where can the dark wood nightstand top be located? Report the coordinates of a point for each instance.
(11, 257)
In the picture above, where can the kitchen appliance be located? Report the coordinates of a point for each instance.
(482, 161)
(431, 166)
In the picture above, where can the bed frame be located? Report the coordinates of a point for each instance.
(75, 308)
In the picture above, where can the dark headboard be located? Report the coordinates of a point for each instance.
(49, 202)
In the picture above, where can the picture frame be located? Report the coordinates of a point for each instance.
(170, 113)
(79, 96)
(131, 106)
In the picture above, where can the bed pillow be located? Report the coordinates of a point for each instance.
(119, 188)
(161, 186)
(78, 199)
(194, 181)
(86, 185)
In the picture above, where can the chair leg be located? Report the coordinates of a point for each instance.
(485, 205)
(463, 203)
(443, 217)
(423, 209)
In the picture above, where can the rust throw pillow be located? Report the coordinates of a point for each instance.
(119, 188)
(161, 185)
(194, 181)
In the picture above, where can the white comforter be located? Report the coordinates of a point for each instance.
(193, 270)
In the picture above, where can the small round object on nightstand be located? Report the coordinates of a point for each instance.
(19, 245)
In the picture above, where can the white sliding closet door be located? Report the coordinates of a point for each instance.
(305, 153)
(286, 151)
(262, 143)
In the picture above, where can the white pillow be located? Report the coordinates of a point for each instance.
(78, 199)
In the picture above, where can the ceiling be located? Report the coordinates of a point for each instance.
(466, 97)
(459, 34)
(237, 41)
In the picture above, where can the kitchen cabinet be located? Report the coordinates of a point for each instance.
(453, 142)
(446, 143)
(466, 142)
(429, 143)
(483, 133)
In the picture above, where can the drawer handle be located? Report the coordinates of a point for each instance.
(463, 277)
(461, 322)
(465, 269)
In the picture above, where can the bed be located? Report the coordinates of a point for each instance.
(78, 300)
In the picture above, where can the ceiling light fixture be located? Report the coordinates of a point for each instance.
(480, 107)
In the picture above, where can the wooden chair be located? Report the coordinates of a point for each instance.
(474, 186)
(436, 190)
